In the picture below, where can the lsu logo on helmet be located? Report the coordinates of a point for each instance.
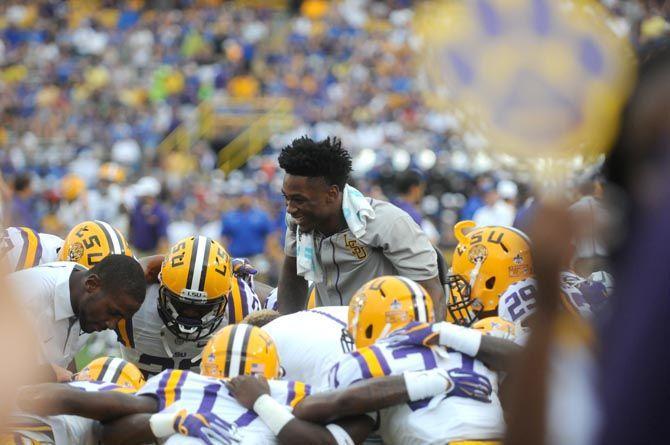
(91, 241)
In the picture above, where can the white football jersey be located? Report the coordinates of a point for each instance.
(439, 420)
(23, 247)
(64, 430)
(309, 343)
(176, 389)
(516, 305)
(518, 302)
(148, 344)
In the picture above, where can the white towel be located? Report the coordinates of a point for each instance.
(357, 211)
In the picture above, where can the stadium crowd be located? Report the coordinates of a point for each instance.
(85, 83)
(368, 276)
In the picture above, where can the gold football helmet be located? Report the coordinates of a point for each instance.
(485, 262)
(383, 305)
(196, 278)
(240, 349)
(91, 241)
(72, 186)
(112, 370)
(111, 172)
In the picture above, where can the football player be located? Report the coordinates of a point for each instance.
(22, 247)
(309, 342)
(102, 374)
(200, 405)
(197, 293)
(471, 411)
(485, 263)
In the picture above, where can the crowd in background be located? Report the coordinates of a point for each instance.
(89, 89)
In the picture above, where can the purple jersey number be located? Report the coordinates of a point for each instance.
(514, 302)
(428, 363)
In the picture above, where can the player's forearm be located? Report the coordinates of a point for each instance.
(497, 353)
(307, 433)
(55, 399)
(133, 429)
(436, 292)
(292, 289)
(360, 398)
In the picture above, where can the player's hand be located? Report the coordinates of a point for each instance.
(413, 334)
(208, 427)
(242, 268)
(62, 374)
(152, 267)
(248, 388)
(471, 385)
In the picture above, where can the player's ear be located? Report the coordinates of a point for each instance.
(282, 372)
(92, 283)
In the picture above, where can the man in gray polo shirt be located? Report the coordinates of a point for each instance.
(392, 243)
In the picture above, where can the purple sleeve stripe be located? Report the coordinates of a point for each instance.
(382, 361)
(161, 390)
(245, 419)
(231, 308)
(291, 392)
(38, 253)
(336, 320)
(365, 369)
(244, 298)
(308, 390)
(177, 390)
(209, 398)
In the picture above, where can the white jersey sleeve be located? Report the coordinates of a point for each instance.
(271, 300)
(309, 343)
(242, 301)
(22, 247)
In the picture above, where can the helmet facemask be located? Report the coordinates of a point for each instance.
(171, 309)
(464, 309)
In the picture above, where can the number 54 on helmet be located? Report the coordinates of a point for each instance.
(195, 281)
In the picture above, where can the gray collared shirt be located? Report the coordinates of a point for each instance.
(393, 244)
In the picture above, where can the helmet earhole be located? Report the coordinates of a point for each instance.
(368, 331)
(490, 283)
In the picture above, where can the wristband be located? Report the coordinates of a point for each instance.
(459, 338)
(162, 424)
(274, 414)
(424, 384)
(340, 435)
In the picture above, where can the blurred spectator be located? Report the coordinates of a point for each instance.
(74, 203)
(410, 187)
(245, 229)
(497, 209)
(105, 200)
(148, 220)
(592, 218)
(23, 210)
(476, 197)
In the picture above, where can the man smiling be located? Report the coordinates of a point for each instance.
(339, 239)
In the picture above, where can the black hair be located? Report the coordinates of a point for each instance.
(408, 179)
(121, 274)
(21, 182)
(326, 159)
